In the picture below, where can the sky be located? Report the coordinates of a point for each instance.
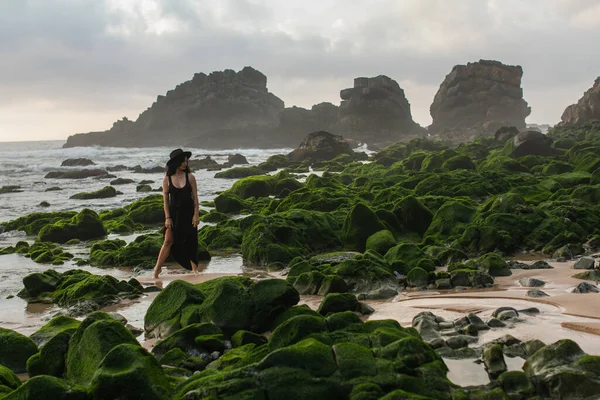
(70, 66)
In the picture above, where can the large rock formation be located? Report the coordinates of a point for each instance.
(220, 110)
(587, 108)
(376, 110)
(479, 98)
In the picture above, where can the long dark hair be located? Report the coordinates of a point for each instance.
(172, 168)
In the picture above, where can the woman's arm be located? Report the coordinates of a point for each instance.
(165, 190)
(195, 220)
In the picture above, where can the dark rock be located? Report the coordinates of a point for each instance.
(540, 264)
(531, 282)
(81, 174)
(530, 311)
(505, 133)
(237, 159)
(507, 314)
(585, 287)
(320, 146)
(584, 263)
(297, 121)
(478, 322)
(121, 181)
(536, 293)
(152, 289)
(105, 192)
(138, 169)
(376, 110)
(497, 311)
(457, 342)
(495, 323)
(77, 162)
(44, 204)
(10, 189)
(517, 265)
(506, 340)
(116, 168)
(203, 163)
(586, 109)
(479, 97)
(532, 143)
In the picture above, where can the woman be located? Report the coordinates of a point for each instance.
(180, 199)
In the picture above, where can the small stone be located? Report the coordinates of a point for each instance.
(506, 340)
(134, 330)
(493, 359)
(536, 293)
(585, 287)
(478, 322)
(531, 282)
(44, 204)
(517, 265)
(365, 309)
(470, 330)
(446, 325)
(530, 310)
(540, 265)
(443, 284)
(118, 317)
(507, 314)
(495, 323)
(437, 343)
(151, 289)
(457, 342)
(584, 263)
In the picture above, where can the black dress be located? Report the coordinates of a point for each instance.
(185, 236)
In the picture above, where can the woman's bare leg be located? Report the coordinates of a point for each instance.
(165, 250)
(194, 267)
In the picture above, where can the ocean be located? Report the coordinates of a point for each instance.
(25, 164)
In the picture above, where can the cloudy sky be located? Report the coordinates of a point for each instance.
(72, 66)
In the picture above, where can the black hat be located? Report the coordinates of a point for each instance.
(178, 154)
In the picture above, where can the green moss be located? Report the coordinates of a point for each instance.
(360, 223)
(295, 329)
(164, 314)
(242, 338)
(84, 226)
(417, 277)
(293, 312)
(51, 358)
(8, 379)
(128, 371)
(516, 384)
(380, 242)
(55, 326)
(341, 320)
(270, 298)
(48, 387)
(354, 360)
(450, 220)
(229, 203)
(97, 335)
(338, 302)
(405, 257)
(572, 179)
(413, 215)
(16, 349)
(34, 222)
(105, 192)
(308, 354)
(99, 289)
(332, 284)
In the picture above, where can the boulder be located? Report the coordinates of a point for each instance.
(236, 159)
(479, 98)
(587, 108)
(585, 263)
(77, 162)
(84, 226)
(204, 163)
(376, 110)
(493, 359)
(320, 146)
(225, 109)
(536, 293)
(532, 143)
(81, 174)
(15, 349)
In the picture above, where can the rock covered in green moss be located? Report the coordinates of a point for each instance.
(105, 192)
(48, 387)
(85, 225)
(359, 225)
(51, 358)
(97, 335)
(15, 350)
(56, 325)
(8, 381)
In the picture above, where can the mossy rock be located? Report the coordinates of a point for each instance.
(254, 186)
(516, 384)
(270, 298)
(293, 312)
(413, 215)
(100, 290)
(48, 387)
(242, 338)
(295, 329)
(214, 217)
(8, 380)
(417, 277)
(84, 226)
(15, 350)
(354, 360)
(104, 193)
(342, 320)
(359, 225)
(34, 222)
(185, 339)
(332, 284)
(56, 325)
(229, 203)
(129, 371)
(97, 335)
(458, 162)
(51, 358)
(308, 354)
(406, 256)
(337, 302)
(381, 242)
(494, 264)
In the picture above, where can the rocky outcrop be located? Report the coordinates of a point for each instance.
(320, 146)
(376, 110)
(587, 108)
(220, 110)
(479, 98)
